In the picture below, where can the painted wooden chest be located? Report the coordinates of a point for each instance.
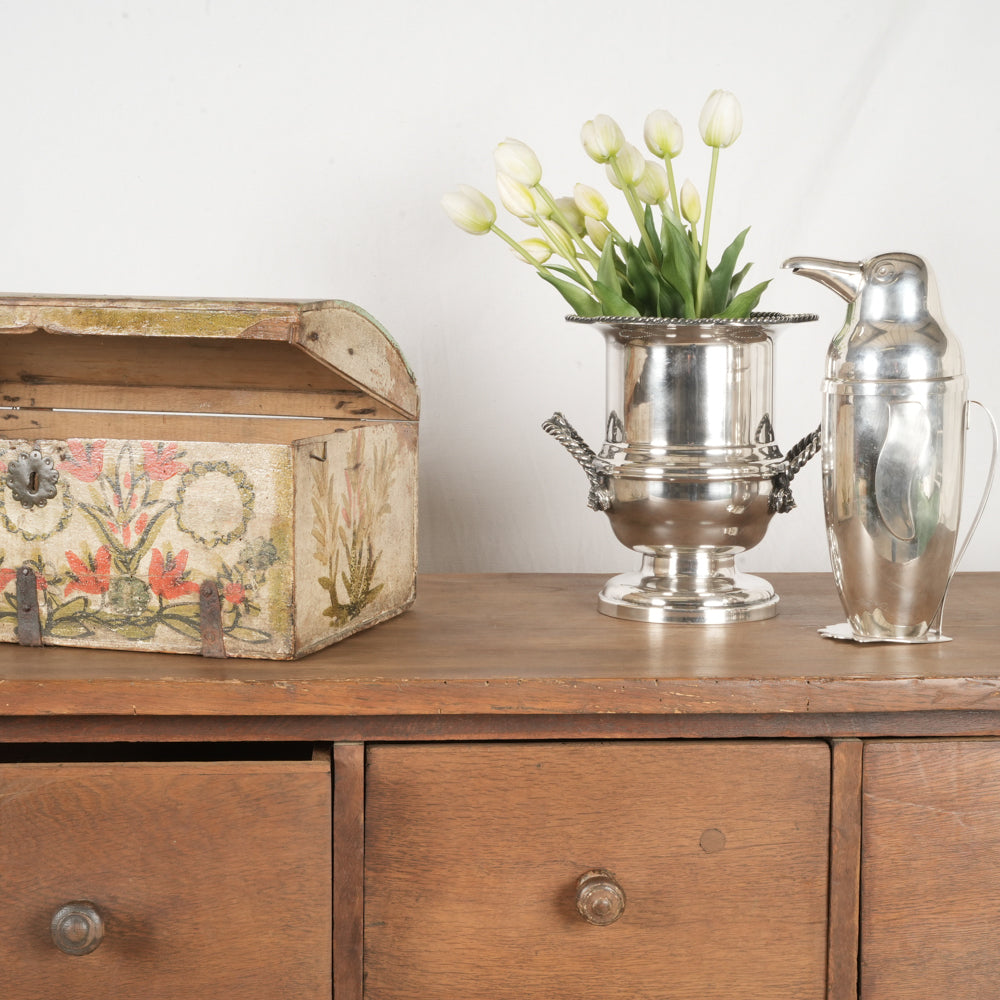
(227, 478)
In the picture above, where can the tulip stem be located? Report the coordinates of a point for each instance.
(703, 256)
(560, 217)
(517, 248)
(669, 164)
(628, 189)
(571, 257)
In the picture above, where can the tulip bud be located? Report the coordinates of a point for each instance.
(663, 134)
(721, 119)
(597, 231)
(653, 186)
(517, 160)
(571, 215)
(515, 197)
(690, 202)
(590, 201)
(602, 138)
(538, 249)
(470, 209)
(629, 163)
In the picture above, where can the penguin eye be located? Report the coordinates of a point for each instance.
(885, 272)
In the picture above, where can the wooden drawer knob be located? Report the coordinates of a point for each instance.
(77, 928)
(600, 899)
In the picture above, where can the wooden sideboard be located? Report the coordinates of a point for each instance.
(504, 794)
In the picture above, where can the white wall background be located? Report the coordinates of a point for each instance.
(251, 148)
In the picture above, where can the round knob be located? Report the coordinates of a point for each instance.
(599, 898)
(77, 928)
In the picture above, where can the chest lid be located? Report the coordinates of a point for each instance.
(257, 357)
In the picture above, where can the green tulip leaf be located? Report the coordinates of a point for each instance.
(612, 303)
(718, 284)
(744, 303)
(607, 268)
(582, 303)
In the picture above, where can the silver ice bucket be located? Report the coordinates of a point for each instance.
(689, 473)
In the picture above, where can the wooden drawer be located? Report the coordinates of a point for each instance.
(930, 903)
(473, 856)
(212, 879)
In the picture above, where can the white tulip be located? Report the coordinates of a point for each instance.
(515, 197)
(602, 138)
(663, 134)
(630, 163)
(470, 209)
(538, 249)
(516, 159)
(571, 215)
(591, 202)
(653, 186)
(597, 231)
(721, 119)
(690, 202)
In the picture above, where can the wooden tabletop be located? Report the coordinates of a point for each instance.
(526, 644)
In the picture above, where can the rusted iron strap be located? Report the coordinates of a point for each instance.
(29, 626)
(210, 622)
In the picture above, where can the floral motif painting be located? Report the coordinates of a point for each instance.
(347, 506)
(135, 527)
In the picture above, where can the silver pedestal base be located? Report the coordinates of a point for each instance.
(710, 592)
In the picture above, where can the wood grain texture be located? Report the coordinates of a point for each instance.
(534, 644)
(845, 870)
(348, 869)
(931, 876)
(213, 879)
(473, 853)
(332, 335)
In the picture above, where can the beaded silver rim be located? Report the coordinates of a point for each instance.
(747, 322)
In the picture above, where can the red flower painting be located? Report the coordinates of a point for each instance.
(92, 576)
(160, 461)
(233, 592)
(86, 461)
(166, 575)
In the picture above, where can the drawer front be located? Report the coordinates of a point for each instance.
(930, 903)
(210, 880)
(477, 856)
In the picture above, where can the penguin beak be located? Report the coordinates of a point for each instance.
(841, 276)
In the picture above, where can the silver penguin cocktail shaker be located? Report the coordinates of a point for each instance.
(893, 446)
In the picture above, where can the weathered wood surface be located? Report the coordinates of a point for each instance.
(845, 870)
(267, 449)
(318, 341)
(534, 644)
(213, 879)
(348, 870)
(931, 898)
(192, 376)
(473, 852)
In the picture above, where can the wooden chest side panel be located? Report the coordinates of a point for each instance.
(213, 880)
(930, 870)
(473, 854)
(355, 530)
(134, 529)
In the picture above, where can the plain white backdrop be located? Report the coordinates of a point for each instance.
(249, 148)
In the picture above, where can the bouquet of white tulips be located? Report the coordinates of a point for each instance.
(598, 271)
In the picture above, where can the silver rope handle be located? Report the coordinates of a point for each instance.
(560, 428)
